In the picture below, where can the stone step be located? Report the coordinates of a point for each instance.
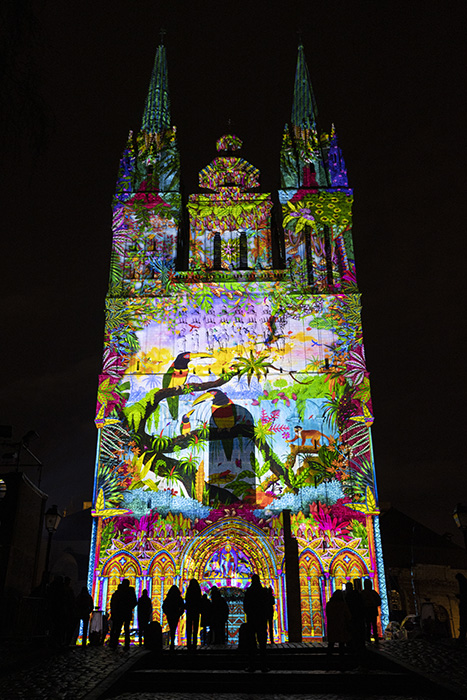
(294, 682)
(292, 671)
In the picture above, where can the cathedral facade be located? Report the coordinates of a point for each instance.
(234, 406)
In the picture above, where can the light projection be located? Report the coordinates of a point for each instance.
(236, 387)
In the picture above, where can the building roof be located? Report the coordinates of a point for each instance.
(407, 543)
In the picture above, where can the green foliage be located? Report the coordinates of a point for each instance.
(359, 530)
(297, 480)
(116, 274)
(134, 414)
(240, 487)
(259, 470)
(109, 481)
(361, 477)
(108, 532)
(254, 365)
(279, 383)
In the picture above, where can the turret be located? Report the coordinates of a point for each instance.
(316, 201)
(147, 202)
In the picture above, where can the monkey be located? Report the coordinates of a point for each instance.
(313, 435)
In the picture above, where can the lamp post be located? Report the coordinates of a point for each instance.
(460, 518)
(52, 521)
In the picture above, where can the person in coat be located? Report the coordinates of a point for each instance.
(255, 605)
(193, 611)
(371, 602)
(84, 605)
(219, 616)
(173, 608)
(144, 614)
(337, 623)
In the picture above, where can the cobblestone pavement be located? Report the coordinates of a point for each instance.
(75, 674)
(70, 675)
(441, 661)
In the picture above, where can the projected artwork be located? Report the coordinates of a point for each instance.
(236, 387)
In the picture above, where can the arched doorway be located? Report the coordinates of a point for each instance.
(346, 566)
(312, 595)
(226, 556)
(162, 573)
(120, 566)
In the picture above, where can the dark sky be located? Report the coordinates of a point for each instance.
(390, 75)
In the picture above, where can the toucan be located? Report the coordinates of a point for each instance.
(223, 414)
(185, 425)
(177, 375)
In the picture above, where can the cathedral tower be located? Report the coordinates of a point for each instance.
(234, 397)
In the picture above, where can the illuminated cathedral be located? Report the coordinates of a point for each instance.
(234, 411)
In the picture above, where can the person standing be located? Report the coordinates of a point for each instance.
(129, 602)
(144, 614)
(270, 601)
(116, 616)
(193, 610)
(337, 624)
(84, 605)
(255, 605)
(354, 600)
(371, 602)
(173, 608)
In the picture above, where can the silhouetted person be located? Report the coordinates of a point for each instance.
(270, 601)
(129, 602)
(337, 623)
(69, 610)
(255, 605)
(206, 616)
(173, 608)
(84, 605)
(57, 611)
(371, 601)
(193, 611)
(462, 595)
(354, 600)
(116, 616)
(219, 616)
(144, 614)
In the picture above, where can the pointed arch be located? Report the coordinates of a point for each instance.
(345, 566)
(162, 571)
(119, 566)
(311, 593)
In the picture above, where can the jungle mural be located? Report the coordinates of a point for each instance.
(234, 389)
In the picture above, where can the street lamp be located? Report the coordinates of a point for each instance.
(52, 521)
(460, 518)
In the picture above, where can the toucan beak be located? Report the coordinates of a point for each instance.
(199, 354)
(204, 397)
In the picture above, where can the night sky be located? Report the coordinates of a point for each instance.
(390, 75)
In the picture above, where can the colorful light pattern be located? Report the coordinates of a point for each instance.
(233, 389)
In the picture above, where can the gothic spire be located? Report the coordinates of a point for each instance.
(156, 116)
(304, 109)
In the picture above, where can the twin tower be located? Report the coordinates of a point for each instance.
(234, 406)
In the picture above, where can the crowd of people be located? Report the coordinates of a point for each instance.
(351, 617)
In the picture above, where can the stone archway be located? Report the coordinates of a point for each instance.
(346, 566)
(226, 555)
(311, 594)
